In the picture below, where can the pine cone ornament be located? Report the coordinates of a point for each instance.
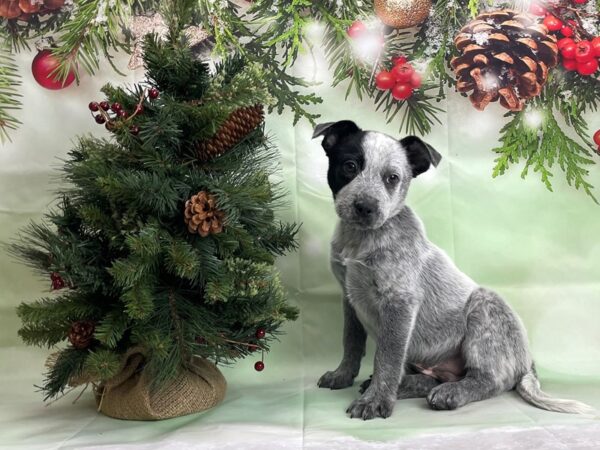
(202, 215)
(23, 9)
(504, 55)
(82, 333)
(237, 126)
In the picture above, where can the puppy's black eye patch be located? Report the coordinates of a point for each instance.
(346, 161)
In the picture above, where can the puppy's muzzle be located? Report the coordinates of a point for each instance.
(365, 208)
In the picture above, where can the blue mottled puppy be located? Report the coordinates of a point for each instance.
(438, 334)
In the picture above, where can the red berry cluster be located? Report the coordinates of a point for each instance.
(582, 55)
(110, 115)
(402, 80)
(260, 334)
(578, 54)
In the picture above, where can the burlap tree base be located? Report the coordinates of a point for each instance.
(129, 395)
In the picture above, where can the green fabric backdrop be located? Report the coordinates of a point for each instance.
(540, 250)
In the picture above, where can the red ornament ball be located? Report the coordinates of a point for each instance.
(597, 138)
(261, 333)
(94, 106)
(553, 23)
(384, 80)
(356, 29)
(153, 93)
(259, 366)
(402, 91)
(43, 66)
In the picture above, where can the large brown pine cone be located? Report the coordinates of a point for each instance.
(82, 333)
(202, 216)
(504, 55)
(237, 126)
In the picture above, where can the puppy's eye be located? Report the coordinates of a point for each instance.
(350, 168)
(392, 179)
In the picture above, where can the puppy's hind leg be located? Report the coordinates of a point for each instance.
(495, 353)
(412, 386)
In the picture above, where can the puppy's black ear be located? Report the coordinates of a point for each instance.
(420, 154)
(334, 132)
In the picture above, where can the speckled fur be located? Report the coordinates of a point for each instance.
(405, 293)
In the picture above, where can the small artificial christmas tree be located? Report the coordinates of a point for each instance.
(161, 241)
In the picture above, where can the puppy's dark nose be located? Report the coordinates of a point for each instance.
(365, 207)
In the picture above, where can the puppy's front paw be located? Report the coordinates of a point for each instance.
(336, 379)
(368, 407)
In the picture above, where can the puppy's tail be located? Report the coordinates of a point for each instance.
(529, 389)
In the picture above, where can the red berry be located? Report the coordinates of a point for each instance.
(356, 29)
(399, 60)
(415, 80)
(569, 64)
(564, 41)
(536, 9)
(116, 107)
(584, 51)
(57, 281)
(134, 129)
(260, 333)
(568, 51)
(259, 366)
(596, 46)
(139, 109)
(566, 31)
(403, 73)
(153, 93)
(253, 347)
(597, 138)
(553, 23)
(94, 106)
(104, 105)
(122, 113)
(384, 80)
(99, 118)
(402, 91)
(588, 67)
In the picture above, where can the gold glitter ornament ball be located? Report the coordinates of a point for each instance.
(402, 13)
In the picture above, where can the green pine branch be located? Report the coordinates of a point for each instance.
(10, 102)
